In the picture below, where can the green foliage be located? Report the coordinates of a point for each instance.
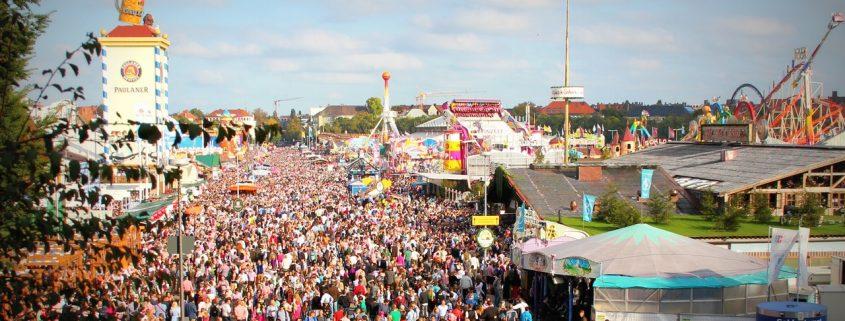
(614, 210)
(539, 157)
(406, 125)
(708, 206)
(294, 129)
(733, 214)
(660, 208)
(197, 112)
(500, 177)
(811, 209)
(374, 106)
(762, 212)
(519, 109)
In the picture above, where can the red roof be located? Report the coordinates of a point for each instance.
(629, 137)
(232, 112)
(88, 113)
(132, 31)
(576, 108)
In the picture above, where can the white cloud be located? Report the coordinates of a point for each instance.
(422, 21)
(754, 26)
(626, 36)
(497, 64)
(493, 21)
(376, 61)
(210, 77)
(340, 77)
(521, 4)
(282, 65)
(317, 41)
(465, 42)
(646, 64)
(216, 50)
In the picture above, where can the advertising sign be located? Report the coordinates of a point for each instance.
(485, 238)
(726, 133)
(131, 11)
(587, 208)
(577, 266)
(481, 220)
(475, 108)
(782, 242)
(570, 92)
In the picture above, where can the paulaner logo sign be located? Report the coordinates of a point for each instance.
(130, 71)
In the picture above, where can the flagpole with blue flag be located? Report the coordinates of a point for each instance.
(589, 201)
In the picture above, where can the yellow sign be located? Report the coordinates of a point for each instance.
(131, 11)
(478, 220)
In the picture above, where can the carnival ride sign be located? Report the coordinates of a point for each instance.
(567, 92)
(726, 133)
(485, 238)
(475, 108)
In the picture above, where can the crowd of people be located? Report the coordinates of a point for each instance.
(303, 248)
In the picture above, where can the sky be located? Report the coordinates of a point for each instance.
(245, 54)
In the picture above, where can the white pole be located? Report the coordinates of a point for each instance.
(566, 84)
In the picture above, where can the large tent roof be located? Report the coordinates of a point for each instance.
(645, 256)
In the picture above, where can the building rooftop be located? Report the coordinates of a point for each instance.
(341, 110)
(699, 166)
(659, 111)
(133, 31)
(547, 190)
(576, 108)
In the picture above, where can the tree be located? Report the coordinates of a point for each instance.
(734, 212)
(294, 129)
(613, 209)
(762, 212)
(660, 208)
(197, 112)
(260, 116)
(374, 106)
(811, 210)
(519, 109)
(708, 206)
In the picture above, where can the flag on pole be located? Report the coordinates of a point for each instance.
(671, 133)
(803, 246)
(645, 182)
(782, 241)
(587, 209)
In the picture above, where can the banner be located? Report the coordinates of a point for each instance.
(782, 241)
(587, 208)
(520, 220)
(803, 248)
(645, 183)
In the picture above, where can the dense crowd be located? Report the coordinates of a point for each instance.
(304, 249)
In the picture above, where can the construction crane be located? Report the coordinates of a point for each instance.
(421, 97)
(277, 101)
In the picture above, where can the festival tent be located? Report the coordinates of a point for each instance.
(644, 256)
(643, 269)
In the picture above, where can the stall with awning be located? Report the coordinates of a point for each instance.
(243, 187)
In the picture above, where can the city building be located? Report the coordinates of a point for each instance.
(240, 115)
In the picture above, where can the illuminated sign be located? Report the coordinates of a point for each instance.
(726, 133)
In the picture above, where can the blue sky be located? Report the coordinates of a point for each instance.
(245, 54)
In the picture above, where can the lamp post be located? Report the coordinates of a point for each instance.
(566, 84)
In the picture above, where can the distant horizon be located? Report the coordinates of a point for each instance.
(251, 53)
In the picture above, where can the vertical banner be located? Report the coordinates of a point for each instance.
(130, 11)
(803, 248)
(520, 220)
(782, 241)
(645, 183)
(587, 208)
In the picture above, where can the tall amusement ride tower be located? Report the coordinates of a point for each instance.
(388, 125)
